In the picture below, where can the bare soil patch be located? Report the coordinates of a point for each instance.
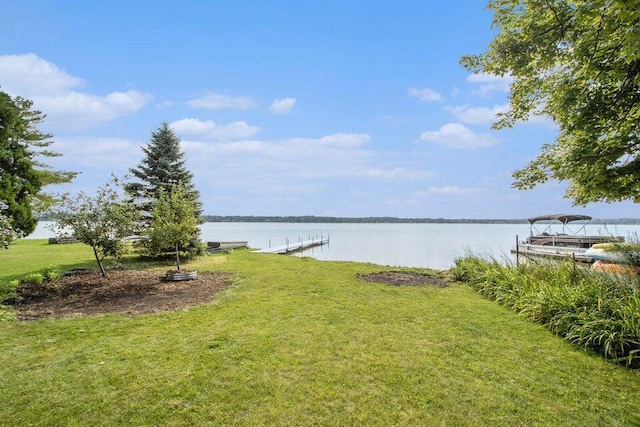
(404, 278)
(86, 293)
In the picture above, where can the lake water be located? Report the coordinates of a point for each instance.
(405, 245)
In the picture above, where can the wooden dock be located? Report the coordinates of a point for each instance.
(62, 240)
(226, 246)
(291, 247)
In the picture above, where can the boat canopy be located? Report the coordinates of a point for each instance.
(564, 219)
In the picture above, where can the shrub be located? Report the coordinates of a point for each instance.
(8, 290)
(35, 278)
(47, 274)
(596, 311)
(50, 273)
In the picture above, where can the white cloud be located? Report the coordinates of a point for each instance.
(489, 83)
(28, 76)
(54, 92)
(489, 115)
(370, 171)
(390, 118)
(477, 115)
(345, 139)
(217, 101)
(243, 147)
(398, 202)
(425, 94)
(457, 136)
(390, 202)
(76, 110)
(450, 191)
(282, 106)
(111, 154)
(164, 104)
(209, 129)
(298, 160)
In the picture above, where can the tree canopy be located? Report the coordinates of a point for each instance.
(22, 173)
(162, 167)
(577, 62)
(101, 220)
(174, 221)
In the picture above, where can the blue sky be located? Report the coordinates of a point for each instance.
(340, 108)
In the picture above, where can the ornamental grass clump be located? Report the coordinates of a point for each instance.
(597, 311)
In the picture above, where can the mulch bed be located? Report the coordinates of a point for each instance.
(86, 293)
(403, 278)
(82, 293)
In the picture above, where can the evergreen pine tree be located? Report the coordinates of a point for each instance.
(162, 167)
(22, 174)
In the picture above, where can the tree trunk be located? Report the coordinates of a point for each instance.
(178, 256)
(95, 253)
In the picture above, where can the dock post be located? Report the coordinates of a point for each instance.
(517, 251)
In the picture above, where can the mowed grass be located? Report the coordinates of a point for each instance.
(301, 342)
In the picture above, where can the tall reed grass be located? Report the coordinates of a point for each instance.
(597, 311)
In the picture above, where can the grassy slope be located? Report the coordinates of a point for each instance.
(301, 342)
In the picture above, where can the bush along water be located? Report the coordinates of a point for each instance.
(597, 311)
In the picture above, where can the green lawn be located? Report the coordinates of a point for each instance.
(301, 342)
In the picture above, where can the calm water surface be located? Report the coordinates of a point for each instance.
(406, 245)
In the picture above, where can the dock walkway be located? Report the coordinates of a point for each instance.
(219, 246)
(293, 246)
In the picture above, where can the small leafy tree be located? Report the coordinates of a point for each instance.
(101, 221)
(7, 233)
(174, 221)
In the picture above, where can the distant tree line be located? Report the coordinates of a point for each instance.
(387, 219)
